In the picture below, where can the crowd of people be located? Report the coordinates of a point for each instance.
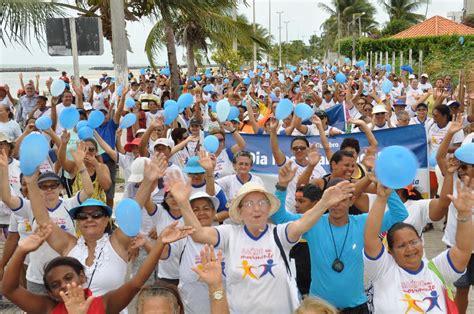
(213, 238)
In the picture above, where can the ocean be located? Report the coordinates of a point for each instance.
(12, 79)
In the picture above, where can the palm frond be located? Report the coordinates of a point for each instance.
(154, 42)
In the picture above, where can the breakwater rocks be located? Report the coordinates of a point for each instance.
(29, 69)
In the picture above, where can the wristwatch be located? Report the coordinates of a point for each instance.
(217, 295)
(280, 187)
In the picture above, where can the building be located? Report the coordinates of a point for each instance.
(435, 26)
(455, 16)
(468, 7)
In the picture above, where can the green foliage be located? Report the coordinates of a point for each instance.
(469, 20)
(395, 26)
(441, 63)
(297, 51)
(228, 59)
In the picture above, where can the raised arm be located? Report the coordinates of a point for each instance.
(154, 170)
(9, 199)
(460, 253)
(372, 243)
(313, 159)
(438, 207)
(106, 147)
(276, 151)
(118, 112)
(367, 131)
(322, 136)
(209, 164)
(68, 165)
(239, 140)
(78, 155)
(443, 149)
(181, 192)
(28, 129)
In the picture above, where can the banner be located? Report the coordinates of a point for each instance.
(336, 117)
(412, 137)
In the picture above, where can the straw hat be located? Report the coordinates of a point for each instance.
(247, 188)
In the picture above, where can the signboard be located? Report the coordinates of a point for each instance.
(88, 33)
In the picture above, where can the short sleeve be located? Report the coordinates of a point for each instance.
(282, 231)
(72, 202)
(24, 210)
(458, 137)
(446, 267)
(376, 267)
(223, 236)
(13, 224)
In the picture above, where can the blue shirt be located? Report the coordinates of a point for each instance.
(344, 289)
(107, 132)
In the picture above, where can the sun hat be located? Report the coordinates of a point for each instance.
(201, 194)
(162, 141)
(247, 188)
(88, 203)
(136, 170)
(465, 153)
(193, 166)
(128, 147)
(5, 138)
(379, 109)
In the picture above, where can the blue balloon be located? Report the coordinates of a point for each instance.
(330, 82)
(281, 78)
(185, 100)
(208, 74)
(283, 109)
(165, 71)
(297, 79)
(341, 78)
(128, 120)
(69, 117)
(81, 124)
(33, 151)
(198, 78)
(171, 111)
(396, 167)
(321, 70)
(387, 86)
(43, 123)
(293, 69)
(407, 68)
(297, 90)
(465, 153)
(347, 61)
(360, 63)
(251, 74)
(303, 111)
(271, 69)
(212, 105)
(223, 109)
(305, 72)
(388, 68)
(142, 71)
(85, 132)
(211, 144)
(119, 90)
(226, 81)
(246, 81)
(461, 40)
(130, 103)
(96, 118)
(57, 87)
(234, 113)
(432, 159)
(267, 76)
(170, 102)
(208, 88)
(128, 217)
(334, 68)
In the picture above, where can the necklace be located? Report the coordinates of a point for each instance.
(337, 264)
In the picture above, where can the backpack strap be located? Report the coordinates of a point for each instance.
(282, 251)
(438, 274)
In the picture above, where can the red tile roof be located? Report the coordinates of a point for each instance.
(435, 26)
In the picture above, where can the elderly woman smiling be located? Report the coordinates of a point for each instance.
(256, 252)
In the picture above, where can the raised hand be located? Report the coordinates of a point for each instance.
(152, 234)
(464, 202)
(357, 122)
(206, 162)
(155, 169)
(335, 194)
(74, 299)
(91, 161)
(118, 133)
(172, 233)
(34, 241)
(453, 165)
(316, 121)
(79, 153)
(3, 159)
(65, 136)
(286, 173)
(180, 189)
(369, 158)
(382, 191)
(456, 123)
(210, 270)
(313, 155)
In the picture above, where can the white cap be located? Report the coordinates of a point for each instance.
(137, 169)
(411, 76)
(424, 75)
(379, 109)
(201, 194)
(87, 106)
(103, 85)
(162, 141)
(140, 131)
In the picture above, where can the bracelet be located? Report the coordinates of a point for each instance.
(233, 131)
(463, 219)
(82, 170)
(217, 295)
(280, 187)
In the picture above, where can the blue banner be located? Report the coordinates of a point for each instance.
(336, 117)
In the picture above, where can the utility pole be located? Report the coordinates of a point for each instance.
(75, 53)
(234, 17)
(269, 59)
(254, 44)
(279, 37)
(119, 42)
(338, 35)
(286, 22)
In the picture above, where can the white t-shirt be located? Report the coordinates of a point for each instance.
(257, 280)
(11, 129)
(411, 94)
(98, 101)
(194, 293)
(151, 116)
(168, 268)
(418, 213)
(318, 172)
(425, 86)
(125, 163)
(437, 134)
(397, 290)
(376, 127)
(224, 166)
(15, 185)
(232, 184)
(428, 122)
(23, 227)
(60, 216)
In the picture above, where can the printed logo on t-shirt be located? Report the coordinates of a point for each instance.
(262, 265)
(418, 305)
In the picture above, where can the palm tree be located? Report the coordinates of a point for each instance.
(404, 10)
(346, 10)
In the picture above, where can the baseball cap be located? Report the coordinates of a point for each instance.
(193, 166)
(453, 103)
(128, 147)
(424, 75)
(48, 176)
(400, 102)
(136, 170)
(411, 76)
(195, 121)
(162, 141)
(87, 106)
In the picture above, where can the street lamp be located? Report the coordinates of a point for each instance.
(254, 44)
(279, 37)
(286, 22)
(355, 16)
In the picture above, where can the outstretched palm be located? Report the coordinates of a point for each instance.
(335, 194)
(286, 173)
(211, 267)
(172, 233)
(34, 241)
(179, 188)
(74, 299)
(464, 202)
(206, 161)
(313, 155)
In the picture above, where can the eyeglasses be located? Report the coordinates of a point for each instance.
(253, 204)
(47, 187)
(94, 215)
(411, 243)
(299, 148)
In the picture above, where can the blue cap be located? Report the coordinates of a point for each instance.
(465, 153)
(400, 102)
(89, 203)
(193, 166)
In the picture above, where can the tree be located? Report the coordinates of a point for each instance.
(228, 59)
(403, 10)
(468, 20)
(395, 26)
(346, 10)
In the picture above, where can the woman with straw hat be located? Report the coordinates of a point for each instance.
(256, 252)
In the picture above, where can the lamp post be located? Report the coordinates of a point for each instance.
(355, 16)
(254, 44)
(279, 37)
(286, 22)
(269, 29)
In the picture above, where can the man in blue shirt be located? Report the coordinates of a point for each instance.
(336, 242)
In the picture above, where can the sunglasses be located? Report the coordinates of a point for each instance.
(94, 215)
(47, 187)
(221, 140)
(299, 148)
(91, 149)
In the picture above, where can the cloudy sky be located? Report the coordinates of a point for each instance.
(304, 19)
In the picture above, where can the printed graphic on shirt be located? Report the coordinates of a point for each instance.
(260, 265)
(418, 305)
